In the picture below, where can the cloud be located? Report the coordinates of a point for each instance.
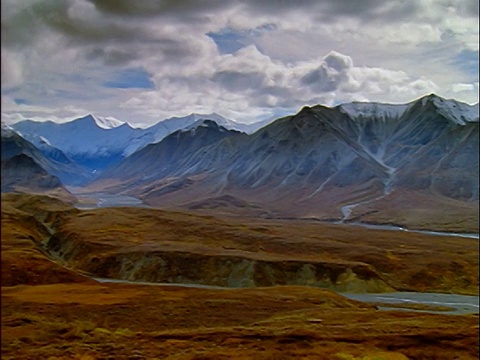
(130, 78)
(12, 69)
(462, 87)
(250, 83)
(13, 111)
(141, 61)
(465, 89)
(228, 40)
(154, 8)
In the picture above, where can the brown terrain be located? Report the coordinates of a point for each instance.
(415, 210)
(280, 301)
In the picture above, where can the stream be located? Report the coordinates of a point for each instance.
(399, 228)
(108, 200)
(459, 304)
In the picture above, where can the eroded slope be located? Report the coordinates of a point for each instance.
(57, 313)
(151, 245)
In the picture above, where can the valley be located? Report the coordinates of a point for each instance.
(412, 165)
(346, 232)
(240, 180)
(98, 200)
(288, 276)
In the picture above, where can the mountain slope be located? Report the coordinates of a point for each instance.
(21, 171)
(83, 140)
(99, 143)
(327, 163)
(24, 169)
(171, 157)
(56, 163)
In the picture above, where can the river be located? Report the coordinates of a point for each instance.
(108, 200)
(102, 200)
(459, 304)
(399, 228)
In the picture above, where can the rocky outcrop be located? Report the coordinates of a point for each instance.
(24, 261)
(148, 245)
(235, 270)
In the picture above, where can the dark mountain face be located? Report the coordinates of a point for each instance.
(306, 150)
(21, 171)
(173, 155)
(26, 170)
(82, 140)
(57, 164)
(321, 162)
(322, 147)
(97, 144)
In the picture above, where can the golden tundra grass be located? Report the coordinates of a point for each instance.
(52, 312)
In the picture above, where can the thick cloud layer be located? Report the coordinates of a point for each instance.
(143, 61)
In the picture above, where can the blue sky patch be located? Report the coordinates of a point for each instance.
(20, 101)
(467, 61)
(136, 78)
(228, 40)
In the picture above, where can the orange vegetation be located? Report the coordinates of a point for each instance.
(51, 310)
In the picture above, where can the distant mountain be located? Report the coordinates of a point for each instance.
(107, 122)
(168, 126)
(172, 156)
(26, 169)
(52, 160)
(21, 171)
(82, 140)
(51, 152)
(99, 143)
(352, 162)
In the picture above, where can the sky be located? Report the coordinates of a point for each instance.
(146, 60)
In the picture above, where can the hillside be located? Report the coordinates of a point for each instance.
(351, 163)
(51, 309)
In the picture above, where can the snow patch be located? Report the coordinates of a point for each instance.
(44, 140)
(459, 112)
(377, 110)
(7, 130)
(108, 122)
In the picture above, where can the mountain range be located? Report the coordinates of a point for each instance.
(413, 164)
(98, 143)
(26, 169)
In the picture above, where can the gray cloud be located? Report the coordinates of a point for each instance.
(181, 9)
(320, 80)
(328, 11)
(110, 56)
(371, 9)
(464, 7)
(22, 26)
(291, 53)
(32, 21)
(330, 75)
(238, 81)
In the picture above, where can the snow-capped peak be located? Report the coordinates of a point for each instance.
(457, 111)
(366, 109)
(7, 130)
(108, 122)
(219, 119)
(205, 123)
